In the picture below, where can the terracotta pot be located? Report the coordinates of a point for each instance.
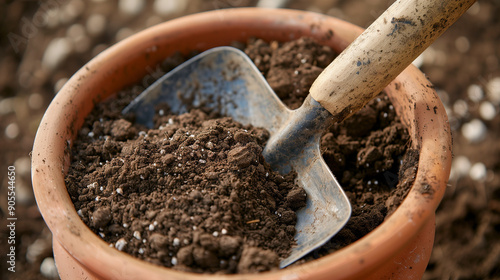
(399, 248)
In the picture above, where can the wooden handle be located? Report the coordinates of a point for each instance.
(383, 51)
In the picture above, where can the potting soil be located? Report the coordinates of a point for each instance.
(195, 194)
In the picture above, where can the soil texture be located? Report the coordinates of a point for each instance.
(194, 193)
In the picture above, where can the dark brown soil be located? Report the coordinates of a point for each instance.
(290, 69)
(195, 193)
(369, 155)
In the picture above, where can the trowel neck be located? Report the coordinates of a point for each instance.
(300, 132)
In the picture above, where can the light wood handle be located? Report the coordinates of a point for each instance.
(383, 51)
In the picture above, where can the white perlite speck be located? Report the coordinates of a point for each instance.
(210, 145)
(75, 32)
(56, 52)
(475, 93)
(12, 130)
(48, 268)
(131, 7)
(137, 235)
(474, 131)
(478, 171)
(461, 166)
(493, 90)
(36, 250)
(59, 84)
(96, 24)
(487, 111)
(7, 105)
(35, 101)
(461, 108)
(169, 7)
(120, 244)
(176, 242)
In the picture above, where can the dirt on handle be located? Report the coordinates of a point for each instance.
(194, 194)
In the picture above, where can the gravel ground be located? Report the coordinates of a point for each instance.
(43, 44)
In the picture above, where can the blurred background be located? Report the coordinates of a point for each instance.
(42, 43)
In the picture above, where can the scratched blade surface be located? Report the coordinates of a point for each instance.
(226, 81)
(223, 80)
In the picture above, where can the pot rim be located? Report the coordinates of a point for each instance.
(62, 120)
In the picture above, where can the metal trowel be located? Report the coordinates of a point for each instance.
(226, 81)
